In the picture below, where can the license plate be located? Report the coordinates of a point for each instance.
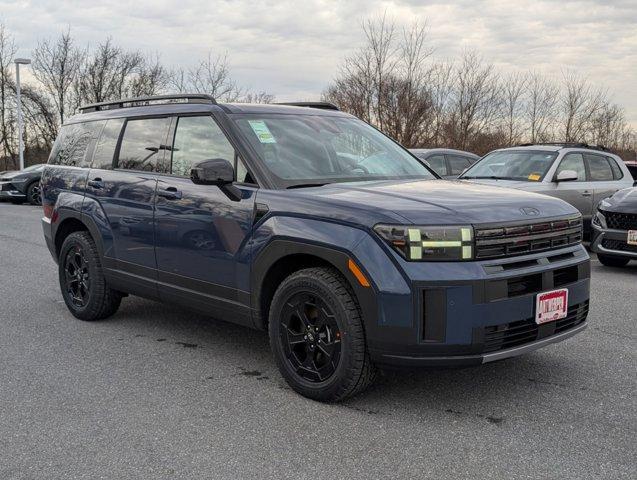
(551, 306)
(632, 237)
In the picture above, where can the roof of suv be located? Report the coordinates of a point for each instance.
(443, 150)
(556, 147)
(176, 108)
(194, 103)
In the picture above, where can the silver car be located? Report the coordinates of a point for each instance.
(577, 173)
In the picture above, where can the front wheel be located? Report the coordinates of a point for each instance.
(317, 336)
(612, 261)
(84, 289)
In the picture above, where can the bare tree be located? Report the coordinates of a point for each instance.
(513, 89)
(540, 108)
(56, 65)
(108, 74)
(7, 126)
(580, 103)
(212, 76)
(151, 78)
(476, 97)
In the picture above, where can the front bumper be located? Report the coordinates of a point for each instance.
(8, 192)
(484, 312)
(612, 242)
(463, 360)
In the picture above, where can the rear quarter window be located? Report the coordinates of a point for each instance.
(75, 143)
(617, 172)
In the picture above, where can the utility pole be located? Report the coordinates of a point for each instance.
(18, 62)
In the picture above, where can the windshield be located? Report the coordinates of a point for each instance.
(530, 166)
(305, 150)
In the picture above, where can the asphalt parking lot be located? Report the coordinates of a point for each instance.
(159, 392)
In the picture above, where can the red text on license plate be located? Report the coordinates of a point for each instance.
(550, 306)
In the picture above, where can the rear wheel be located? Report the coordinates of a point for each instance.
(33, 194)
(82, 282)
(316, 334)
(612, 261)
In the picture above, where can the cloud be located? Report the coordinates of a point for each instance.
(293, 48)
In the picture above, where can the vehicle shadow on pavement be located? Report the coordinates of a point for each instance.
(486, 393)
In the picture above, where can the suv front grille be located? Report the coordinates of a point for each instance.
(618, 245)
(621, 221)
(502, 337)
(509, 241)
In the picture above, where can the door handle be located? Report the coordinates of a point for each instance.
(170, 193)
(586, 193)
(96, 183)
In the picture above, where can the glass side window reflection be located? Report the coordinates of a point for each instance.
(458, 164)
(143, 145)
(575, 162)
(198, 139)
(599, 168)
(437, 163)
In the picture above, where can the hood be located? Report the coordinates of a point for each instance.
(624, 201)
(434, 202)
(9, 173)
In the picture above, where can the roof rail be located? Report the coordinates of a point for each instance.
(319, 105)
(568, 145)
(148, 101)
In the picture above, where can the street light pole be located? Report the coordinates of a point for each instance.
(18, 62)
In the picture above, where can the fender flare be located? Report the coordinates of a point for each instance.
(64, 214)
(278, 249)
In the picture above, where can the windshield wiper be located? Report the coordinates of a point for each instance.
(489, 177)
(307, 185)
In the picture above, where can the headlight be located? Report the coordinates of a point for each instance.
(18, 180)
(442, 243)
(599, 220)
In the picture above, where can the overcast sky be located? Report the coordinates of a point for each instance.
(293, 48)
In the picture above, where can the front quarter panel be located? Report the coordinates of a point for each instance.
(278, 236)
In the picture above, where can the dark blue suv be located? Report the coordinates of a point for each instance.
(309, 223)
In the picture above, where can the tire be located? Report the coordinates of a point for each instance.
(612, 261)
(314, 312)
(33, 194)
(84, 289)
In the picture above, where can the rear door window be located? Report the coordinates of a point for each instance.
(143, 145)
(107, 143)
(75, 143)
(575, 162)
(599, 168)
(458, 164)
(437, 163)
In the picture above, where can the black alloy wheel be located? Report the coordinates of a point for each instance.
(34, 194)
(310, 337)
(77, 277)
(84, 288)
(317, 335)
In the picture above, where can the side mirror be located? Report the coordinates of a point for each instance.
(219, 172)
(216, 171)
(566, 176)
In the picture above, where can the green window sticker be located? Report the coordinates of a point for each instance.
(261, 131)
